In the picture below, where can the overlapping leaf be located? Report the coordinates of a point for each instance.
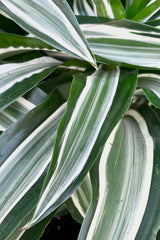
(112, 8)
(146, 13)
(83, 7)
(12, 44)
(29, 143)
(18, 78)
(150, 223)
(151, 85)
(79, 201)
(136, 6)
(120, 195)
(14, 112)
(8, 26)
(122, 42)
(51, 21)
(17, 220)
(15, 224)
(90, 114)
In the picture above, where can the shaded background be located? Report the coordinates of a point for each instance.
(62, 228)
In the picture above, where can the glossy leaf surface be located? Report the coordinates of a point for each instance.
(18, 78)
(79, 201)
(83, 7)
(12, 44)
(33, 149)
(121, 193)
(122, 42)
(50, 198)
(136, 7)
(150, 223)
(51, 21)
(112, 9)
(147, 12)
(151, 86)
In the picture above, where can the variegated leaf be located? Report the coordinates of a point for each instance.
(149, 227)
(12, 44)
(150, 83)
(69, 167)
(18, 78)
(14, 112)
(85, 123)
(83, 7)
(32, 149)
(122, 42)
(109, 8)
(51, 21)
(79, 201)
(120, 195)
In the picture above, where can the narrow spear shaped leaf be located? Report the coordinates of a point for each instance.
(111, 9)
(118, 9)
(30, 146)
(127, 3)
(79, 201)
(12, 44)
(136, 7)
(18, 78)
(14, 112)
(121, 102)
(83, 7)
(151, 85)
(154, 23)
(103, 9)
(13, 40)
(21, 129)
(146, 13)
(17, 220)
(122, 42)
(125, 171)
(150, 223)
(73, 148)
(51, 21)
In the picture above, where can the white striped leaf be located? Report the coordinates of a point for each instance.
(12, 44)
(109, 8)
(150, 83)
(14, 112)
(21, 129)
(82, 130)
(51, 21)
(83, 7)
(36, 95)
(123, 42)
(79, 201)
(32, 149)
(150, 223)
(121, 193)
(18, 78)
(9, 141)
(90, 115)
(17, 220)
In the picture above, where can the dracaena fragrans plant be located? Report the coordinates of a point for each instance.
(79, 117)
